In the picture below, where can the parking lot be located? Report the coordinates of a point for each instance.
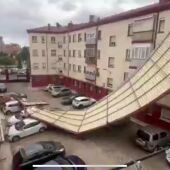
(114, 145)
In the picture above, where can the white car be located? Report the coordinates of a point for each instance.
(12, 107)
(82, 101)
(54, 88)
(25, 128)
(168, 155)
(15, 119)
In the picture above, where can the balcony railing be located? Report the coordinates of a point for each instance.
(146, 36)
(91, 60)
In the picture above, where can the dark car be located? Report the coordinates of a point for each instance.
(69, 160)
(37, 153)
(3, 88)
(68, 100)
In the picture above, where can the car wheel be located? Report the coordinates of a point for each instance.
(42, 129)
(8, 112)
(15, 138)
(80, 106)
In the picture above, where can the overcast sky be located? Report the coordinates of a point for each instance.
(16, 16)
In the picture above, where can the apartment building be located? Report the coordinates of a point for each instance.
(98, 56)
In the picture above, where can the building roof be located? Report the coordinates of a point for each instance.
(157, 7)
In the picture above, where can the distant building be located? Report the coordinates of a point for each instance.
(10, 49)
(2, 45)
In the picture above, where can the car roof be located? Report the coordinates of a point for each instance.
(152, 129)
(81, 98)
(12, 102)
(29, 120)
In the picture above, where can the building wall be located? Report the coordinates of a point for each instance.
(119, 29)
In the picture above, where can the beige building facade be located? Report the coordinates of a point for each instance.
(100, 55)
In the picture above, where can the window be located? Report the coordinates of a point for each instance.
(74, 53)
(161, 25)
(43, 66)
(163, 134)
(155, 137)
(74, 37)
(34, 39)
(53, 40)
(69, 66)
(99, 35)
(84, 69)
(74, 67)
(125, 77)
(84, 53)
(79, 53)
(35, 52)
(79, 68)
(127, 55)
(112, 41)
(111, 62)
(64, 53)
(69, 53)
(35, 66)
(64, 39)
(59, 44)
(79, 37)
(85, 37)
(98, 54)
(53, 66)
(60, 58)
(64, 65)
(43, 53)
(42, 39)
(53, 53)
(109, 82)
(130, 29)
(69, 38)
(97, 72)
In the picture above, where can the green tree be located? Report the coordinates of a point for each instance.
(6, 60)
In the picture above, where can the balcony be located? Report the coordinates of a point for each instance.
(91, 38)
(91, 60)
(90, 52)
(146, 36)
(90, 73)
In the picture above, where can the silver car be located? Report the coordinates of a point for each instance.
(151, 138)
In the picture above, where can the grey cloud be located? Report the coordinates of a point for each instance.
(16, 16)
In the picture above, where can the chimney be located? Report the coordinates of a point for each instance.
(58, 25)
(70, 24)
(163, 1)
(49, 26)
(93, 18)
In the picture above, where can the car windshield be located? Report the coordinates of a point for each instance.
(144, 136)
(32, 150)
(19, 125)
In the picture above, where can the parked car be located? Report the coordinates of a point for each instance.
(167, 152)
(61, 92)
(12, 106)
(16, 118)
(37, 153)
(25, 128)
(48, 86)
(82, 101)
(54, 88)
(151, 138)
(69, 160)
(3, 88)
(68, 100)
